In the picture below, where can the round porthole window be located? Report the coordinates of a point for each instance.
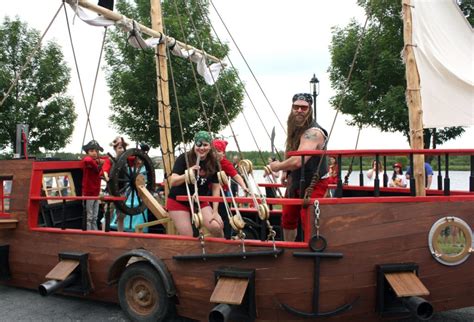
(450, 241)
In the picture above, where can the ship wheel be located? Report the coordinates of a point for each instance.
(128, 166)
(142, 295)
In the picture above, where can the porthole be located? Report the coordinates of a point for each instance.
(450, 241)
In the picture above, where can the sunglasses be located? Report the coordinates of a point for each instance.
(304, 108)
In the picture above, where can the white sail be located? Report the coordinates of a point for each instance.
(444, 51)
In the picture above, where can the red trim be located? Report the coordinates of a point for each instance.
(433, 192)
(57, 165)
(272, 212)
(2, 201)
(169, 237)
(35, 190)
(359, 153)
(333, 201)
(271, 185)
(102, 198)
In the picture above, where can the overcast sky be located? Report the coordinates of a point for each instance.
(284, 42)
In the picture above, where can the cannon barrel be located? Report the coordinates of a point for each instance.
(51, 286)
(420, 307)
(220, 313)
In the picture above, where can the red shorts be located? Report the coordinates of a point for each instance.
(172, 204)
(291, 213)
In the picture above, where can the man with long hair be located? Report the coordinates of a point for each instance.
(304, 133)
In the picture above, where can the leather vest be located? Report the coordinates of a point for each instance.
(310, 167)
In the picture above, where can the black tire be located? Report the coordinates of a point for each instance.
(141, 293)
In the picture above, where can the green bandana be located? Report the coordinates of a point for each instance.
(202, 136)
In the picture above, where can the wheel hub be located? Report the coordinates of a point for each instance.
(142, 296)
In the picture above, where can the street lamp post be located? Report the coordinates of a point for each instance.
(315, 85)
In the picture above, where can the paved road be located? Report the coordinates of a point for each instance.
(27, 305)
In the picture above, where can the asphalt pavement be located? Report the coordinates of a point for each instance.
(27, 305)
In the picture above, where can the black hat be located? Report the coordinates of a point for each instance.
(92, 145)
(304, 97)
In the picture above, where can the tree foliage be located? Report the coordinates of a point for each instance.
(39, 98)
(376, 94)
(467, 7)
(131, 76)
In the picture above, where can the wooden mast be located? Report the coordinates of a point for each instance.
(413, 97)
(162, 89)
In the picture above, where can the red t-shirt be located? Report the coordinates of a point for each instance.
(91, 177)
(107, 166)
(228, 168)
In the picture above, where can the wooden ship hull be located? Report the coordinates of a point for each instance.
(345, 281)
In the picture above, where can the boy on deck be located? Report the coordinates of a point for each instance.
(230, 171)
(91, 181)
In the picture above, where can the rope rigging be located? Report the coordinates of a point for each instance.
(243, 86)
(251, 71)
(315, 178)
(76, 65)
(236, 220)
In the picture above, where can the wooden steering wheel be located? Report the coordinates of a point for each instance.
(129, 165)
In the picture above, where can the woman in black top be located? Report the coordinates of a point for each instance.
(205, 172)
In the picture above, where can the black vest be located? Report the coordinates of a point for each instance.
(310, 167)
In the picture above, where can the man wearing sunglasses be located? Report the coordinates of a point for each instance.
(304, 133)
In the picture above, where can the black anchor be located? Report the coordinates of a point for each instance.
(317, 254)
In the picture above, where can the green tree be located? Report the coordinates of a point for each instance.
(131, 76)
(467, 7)
(376, 94)
(39, 98)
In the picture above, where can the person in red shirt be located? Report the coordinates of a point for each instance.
(91, 181)
(231, 172)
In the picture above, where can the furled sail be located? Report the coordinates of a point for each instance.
(210, 73)
(444, 51)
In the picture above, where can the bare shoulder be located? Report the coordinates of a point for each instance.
(313, 134)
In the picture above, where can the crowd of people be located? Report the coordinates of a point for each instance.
(195, 173)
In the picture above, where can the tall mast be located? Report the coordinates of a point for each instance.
(413, 97)
(162, 89)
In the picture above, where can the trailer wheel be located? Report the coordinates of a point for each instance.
(142, 294)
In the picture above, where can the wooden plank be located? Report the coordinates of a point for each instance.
(406, 284)
(62, 270)
(154, 206)
(8, 223)
(229, 290)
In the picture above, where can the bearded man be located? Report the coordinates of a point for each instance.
(304, 133)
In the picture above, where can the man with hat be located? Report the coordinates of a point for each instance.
(304, 133)
(91, 181)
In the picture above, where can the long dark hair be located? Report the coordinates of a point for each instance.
(394, 176)
(210, 164)
(295, 131)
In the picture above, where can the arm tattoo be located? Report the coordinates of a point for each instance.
(310, 135)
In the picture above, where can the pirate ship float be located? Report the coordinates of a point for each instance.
(366, 254)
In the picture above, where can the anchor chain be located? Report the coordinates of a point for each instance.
(203, 246)
(242, 236)
(317, 212)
